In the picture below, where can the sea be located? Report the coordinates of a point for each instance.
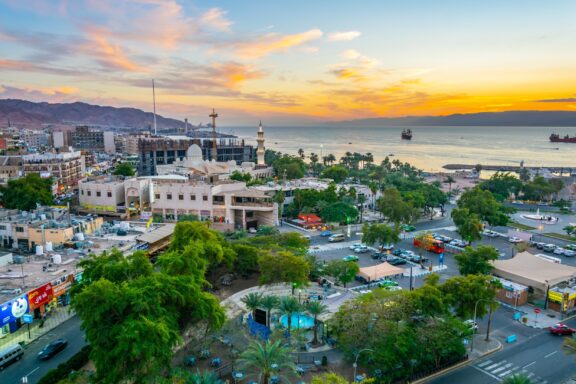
(430, 148)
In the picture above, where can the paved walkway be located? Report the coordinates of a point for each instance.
(546, 318)
(56, 317)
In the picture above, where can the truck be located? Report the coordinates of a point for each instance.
(429, 243)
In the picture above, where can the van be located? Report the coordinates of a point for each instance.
(337, 237)
(549, 248)
(10, 355)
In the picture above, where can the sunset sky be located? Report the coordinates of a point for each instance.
(292, 62)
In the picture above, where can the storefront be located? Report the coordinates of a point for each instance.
(39, 298)
(61, 291)
(562, 299)
(11, 313)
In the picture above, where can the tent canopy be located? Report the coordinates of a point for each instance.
(533, 271)
(379, 271)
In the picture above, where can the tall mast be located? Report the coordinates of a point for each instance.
(154, 102)
(213, 115)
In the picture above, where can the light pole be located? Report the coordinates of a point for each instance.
(473, 325)
(355, 365)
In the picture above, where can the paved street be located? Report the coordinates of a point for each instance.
(30, 366)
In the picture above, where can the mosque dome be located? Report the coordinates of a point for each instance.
(194, 153)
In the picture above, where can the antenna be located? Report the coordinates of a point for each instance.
(154, 102)
(213, 115)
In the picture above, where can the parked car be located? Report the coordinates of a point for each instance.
(396, 261)
(326, 233)
(408, 228)
(387, 283)
(549, 248)
(561, 329)
(514, 239)
(540, 245)
(569, 253)
(387, 247)
(406, 254)
(336, 238)
(51, 349)
(397, 251)
(571, 247)
(472, 324)
(350, 258)
(361, 249)
(490, 233)
(378, 255)
(418, 259)
(559, 251)
(445, 239)
(354, 246)
(360, 279)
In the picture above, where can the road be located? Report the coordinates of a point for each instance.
(30, 366)
(540, 356)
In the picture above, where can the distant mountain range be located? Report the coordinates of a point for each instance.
(509, 118)
(27, 113)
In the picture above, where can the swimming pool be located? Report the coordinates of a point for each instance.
(299, 320)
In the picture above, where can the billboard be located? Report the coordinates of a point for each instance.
(40, 296)
(13, 309)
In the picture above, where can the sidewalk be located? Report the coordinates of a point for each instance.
(56, 317)
(483, 347)
(544, 319)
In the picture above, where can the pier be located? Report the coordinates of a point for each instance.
(510, 168)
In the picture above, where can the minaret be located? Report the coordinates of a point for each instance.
(260, 151)
(214, 115)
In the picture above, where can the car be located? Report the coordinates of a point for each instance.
(571, 247)
(558, 251)
(540, 245)
(406, 254)
(51, 349)
(408, 228)
(418, 259)
(378, 255)
(336, 238)
(397, 251)
(350, 258)
(326, 233)
(387, 247)
(561, 329)
(354, 246)
(387, 283)
(471, 324)
(514, 239)
(569, 253)
(361, 249)
(490, 233)
(549, 248)
(361, 279)
(445, 239)
(396, 261)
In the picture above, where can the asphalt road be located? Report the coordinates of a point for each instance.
(540, 356)
(30, 366)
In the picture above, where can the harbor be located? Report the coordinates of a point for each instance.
(568, 171)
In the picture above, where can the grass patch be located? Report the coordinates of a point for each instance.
(521, 226)
(560, 236)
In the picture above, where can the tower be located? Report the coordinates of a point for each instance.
(214, 115)
(260, 151)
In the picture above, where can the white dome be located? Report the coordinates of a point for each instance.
(194, 153)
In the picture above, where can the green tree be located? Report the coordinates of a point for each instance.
(379, 233)
(316, 308)
(518, 378)
(469, 224)
(289, 306)
(336, 172)
(463, 292)
(570, 230)
(334, 378)
(269, 303)
(267, 359)
(182, 376)
(449, 180)
(343, 271)
(484, 205)
(280, 197)
(502, 185)
(283, 267)
(339, 212)
(246, 260)
(252, 301)
(240, 176)
(394, 208)
(292, 167)
(27, 192)
(124, 169)
(476, 261)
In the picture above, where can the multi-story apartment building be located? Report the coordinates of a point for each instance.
(85, 138)
(35, 139)
(67, 168)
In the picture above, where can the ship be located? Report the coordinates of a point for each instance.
(555, 138)
(407, 134)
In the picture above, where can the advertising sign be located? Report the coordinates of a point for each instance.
(13, 309)
(62, 288)
(28, 319)
(40, 296)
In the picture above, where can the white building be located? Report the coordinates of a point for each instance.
(261, 151)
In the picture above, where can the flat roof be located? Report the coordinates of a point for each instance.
(166, 230)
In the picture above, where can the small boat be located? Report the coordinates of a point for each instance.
(406, 134)
(390, 154)
(349, 142)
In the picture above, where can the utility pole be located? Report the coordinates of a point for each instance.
(154, 102)
(213, 115)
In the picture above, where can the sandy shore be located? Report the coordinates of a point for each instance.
(461, 182)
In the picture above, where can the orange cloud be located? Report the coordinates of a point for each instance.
(111, 55)
(233, 75)
(273, 42)
(215, 18)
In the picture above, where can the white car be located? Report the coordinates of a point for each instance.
(514, 239)
(569, 253)
(490, 233)
(361, 249)
(354, 246)
(472, 324)
(559, 251)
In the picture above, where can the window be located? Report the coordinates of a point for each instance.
(205, 197)
(82, 191)
(98, 193)
(193, 197)
(89, 193)
(180, 197)
(169, 196)
(2, 227)
(109, 194)
(157, 196)
(20, 229)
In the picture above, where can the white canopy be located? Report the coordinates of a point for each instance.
(379, 271)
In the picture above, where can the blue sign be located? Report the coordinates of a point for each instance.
(13, 309)
(28, 319)
(441, 259)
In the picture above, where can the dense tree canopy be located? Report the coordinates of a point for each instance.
(26, 192)
(343, 271)
(395, 209)
(379, 233)
(469, 224)
(476, 261)
(291, 166)
(124, 169)
(483, 204)
(283, 267)
(502, 185)
(336, 172)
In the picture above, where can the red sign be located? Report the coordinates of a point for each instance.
(40, 296)
(536, 310)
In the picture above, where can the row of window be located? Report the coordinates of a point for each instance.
(180, 197)
(98, 193)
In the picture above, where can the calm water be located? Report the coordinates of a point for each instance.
(430, 148)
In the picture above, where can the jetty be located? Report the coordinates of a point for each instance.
(510, 168)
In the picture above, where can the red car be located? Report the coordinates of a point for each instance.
(562, 329)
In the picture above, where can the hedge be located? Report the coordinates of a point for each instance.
(75, 363)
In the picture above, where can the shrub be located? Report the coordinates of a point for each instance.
(75, 363)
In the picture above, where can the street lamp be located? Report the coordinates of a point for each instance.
(355, 365)
(475, 310)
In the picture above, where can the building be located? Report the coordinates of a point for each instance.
(10, 168)
(35, 139)
(165, 150)
(85, 138)
(67, 168)
(260, 152)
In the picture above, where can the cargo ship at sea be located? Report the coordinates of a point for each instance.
(555, 138)
(407, 134)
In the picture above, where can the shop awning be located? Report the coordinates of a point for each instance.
(379, 271)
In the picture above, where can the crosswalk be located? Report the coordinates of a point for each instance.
(499, 370)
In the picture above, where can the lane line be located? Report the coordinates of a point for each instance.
(32, 371)
(550, 354)
(527, 365)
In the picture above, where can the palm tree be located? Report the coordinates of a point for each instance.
(449, 180)
(289, 306)
(361, 200)
(316, 308)
(313, 161)
(331, 158)
(252, 301)
(279, 198)
(269, 303)
(267, 359)
(301, 153)
(519, 378)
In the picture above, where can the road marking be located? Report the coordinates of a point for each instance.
(502, 368)
(550, 354)
(495, 365)
(505, 373)
(487, 373)
(527, 365)
(32, 371)
(484, 363)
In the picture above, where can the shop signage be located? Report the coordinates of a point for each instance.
(40, 296)
(62, 288)
(13, 309)
(28, 319)
(558, 297)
